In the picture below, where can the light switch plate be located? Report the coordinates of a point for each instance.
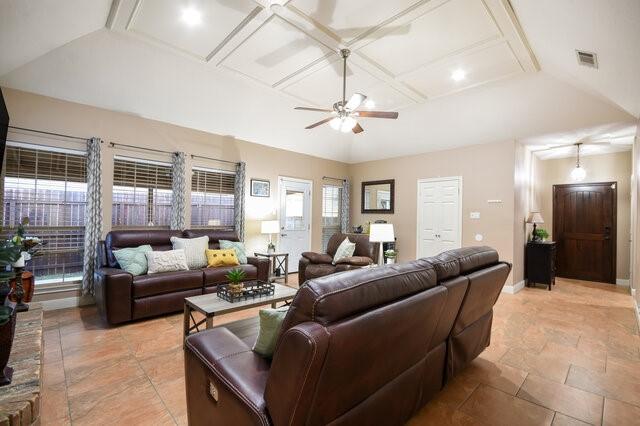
(474, 215)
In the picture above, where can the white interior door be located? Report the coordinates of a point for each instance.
(439, 215)
(295, 219)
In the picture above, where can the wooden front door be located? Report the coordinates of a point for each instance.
(584, 227)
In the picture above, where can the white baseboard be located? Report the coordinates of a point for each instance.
(67, 302)
(513, 289)
(622, 282)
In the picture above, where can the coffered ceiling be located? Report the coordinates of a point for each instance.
(403, 52)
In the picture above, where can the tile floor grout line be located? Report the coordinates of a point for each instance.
(64, 370)
(164, 404)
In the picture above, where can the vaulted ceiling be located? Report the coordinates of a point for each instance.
(242, 68)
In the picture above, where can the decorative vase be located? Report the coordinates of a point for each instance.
(27, 286)
(7, 332)
(391, 260)
(236, 288)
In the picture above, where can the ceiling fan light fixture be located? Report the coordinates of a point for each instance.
(369, 104)
(343, 124)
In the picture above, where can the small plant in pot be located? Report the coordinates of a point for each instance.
(236, 278)
(391, 256)
(540, 234)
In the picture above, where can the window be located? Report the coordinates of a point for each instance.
(49, 186)
(331, 201)
(141, 193)
(212, 198)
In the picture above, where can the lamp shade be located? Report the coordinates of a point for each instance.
(381, 233)
(270, 227)
(535, 217)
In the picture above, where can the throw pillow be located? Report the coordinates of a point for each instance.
(194, 249)
(132, 259)
(238, 246)
(270, 325)
(345, 249)
(217, 258)
(166, 261)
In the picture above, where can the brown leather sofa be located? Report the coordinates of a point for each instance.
(361, 347)
(121, 297)
(315, 265)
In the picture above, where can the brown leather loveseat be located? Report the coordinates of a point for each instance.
(315, 265)
(360, 347)
(121, 297)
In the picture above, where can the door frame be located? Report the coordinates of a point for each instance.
(614, 227)
(460, 209)
(310, 182)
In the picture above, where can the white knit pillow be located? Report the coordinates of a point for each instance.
(345, 249)
(194, 250)
(166, 261)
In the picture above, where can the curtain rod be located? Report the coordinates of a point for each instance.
(49, 133)
(114, 144)
(214, 159)
(332, 178)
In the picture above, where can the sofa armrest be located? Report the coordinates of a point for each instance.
(262, 265)
(113, 294)
(225, 380)
(318, 258)
(355, 261)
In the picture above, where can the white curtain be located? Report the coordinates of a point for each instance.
(344, 206)
(179, 187)
(238, 200)
(93, 215)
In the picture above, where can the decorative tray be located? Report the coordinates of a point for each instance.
(251, 290)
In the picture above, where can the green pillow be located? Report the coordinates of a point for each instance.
(270, 324)
(238, 246)
(133, 259)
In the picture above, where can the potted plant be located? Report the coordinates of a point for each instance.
(236, 278)
(540, 234)
(391, 256)
(30, 248)
(9, 254)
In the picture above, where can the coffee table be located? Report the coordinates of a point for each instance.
(210, 305)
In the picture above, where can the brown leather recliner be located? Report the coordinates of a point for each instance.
(121, 297)
(315, 265)
(360, 347)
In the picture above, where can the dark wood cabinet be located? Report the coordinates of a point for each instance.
(541, 263)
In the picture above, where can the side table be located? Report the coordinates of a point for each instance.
(277, 261)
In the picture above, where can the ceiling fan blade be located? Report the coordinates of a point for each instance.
(326, 120)
(313, 109)
(358, 129)
(377, 114)
(356, 100)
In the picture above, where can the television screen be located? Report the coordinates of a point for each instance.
(4, 127)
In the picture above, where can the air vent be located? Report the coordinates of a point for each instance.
(588, 59)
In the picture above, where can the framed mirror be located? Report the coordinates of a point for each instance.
(378, 196)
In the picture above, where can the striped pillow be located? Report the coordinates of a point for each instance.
(194, 250)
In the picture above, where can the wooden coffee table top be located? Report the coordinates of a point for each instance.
(211, 304)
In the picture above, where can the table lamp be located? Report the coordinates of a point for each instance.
(381, 233)
(270, 227)
(535, 218)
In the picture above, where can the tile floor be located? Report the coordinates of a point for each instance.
(566, 357)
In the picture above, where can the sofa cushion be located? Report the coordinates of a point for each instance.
(318, 257)
(194, 249)
(215, 276)
(166, 282)
(216, 258)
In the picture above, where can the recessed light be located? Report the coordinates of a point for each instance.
(458, 75)
(191, 16)
(370, 104)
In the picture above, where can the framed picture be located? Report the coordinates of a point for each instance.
(260, 188)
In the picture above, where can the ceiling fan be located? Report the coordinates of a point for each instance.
(344, 114)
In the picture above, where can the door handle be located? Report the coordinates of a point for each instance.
(607, 232)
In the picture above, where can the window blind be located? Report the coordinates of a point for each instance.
(331, 199)
(49, 187)
(212, 198)
(141, 193)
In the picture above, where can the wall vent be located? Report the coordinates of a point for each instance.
(588, 59)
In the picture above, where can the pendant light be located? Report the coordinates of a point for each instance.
(578, 174)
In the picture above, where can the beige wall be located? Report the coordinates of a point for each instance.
(487, 174)
(523, 201)
(600, 168)
(54, 115)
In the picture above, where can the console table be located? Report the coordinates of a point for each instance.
(20, 400)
